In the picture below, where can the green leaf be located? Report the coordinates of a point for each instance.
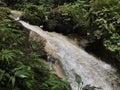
(2, 72)
(88, 87)
(7, 55)
(13, 81)
(118, 21)
(78, 78)
(111, 26)
(21, 74)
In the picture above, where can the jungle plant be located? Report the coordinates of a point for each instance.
(34, 14)
(53, 83)
(104, 17)
(16, 75)
(4, 12)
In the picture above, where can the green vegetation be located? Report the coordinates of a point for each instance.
(20, 60)
(34, 14)
(4, 12)
(80, 84)
(105, 24)
(21, 4)
(21, 67)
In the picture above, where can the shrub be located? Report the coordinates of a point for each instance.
(4, 12)
(53, 83)
(34, 14)
(60, 20)
(104, 17)
(70, 17)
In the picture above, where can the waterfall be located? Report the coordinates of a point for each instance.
(75, 60)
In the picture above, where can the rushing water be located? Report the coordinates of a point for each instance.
(75, 60)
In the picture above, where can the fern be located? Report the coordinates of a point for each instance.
(7, 55)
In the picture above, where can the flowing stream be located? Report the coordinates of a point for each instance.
(75, 60)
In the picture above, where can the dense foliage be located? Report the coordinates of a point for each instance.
(21, 66)
(105, 23)
(20, 60)
(34, 14)
(20, 4)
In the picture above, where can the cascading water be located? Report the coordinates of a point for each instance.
(75, 60)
